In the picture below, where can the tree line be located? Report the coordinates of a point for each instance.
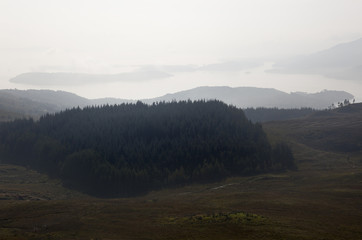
(129, 149)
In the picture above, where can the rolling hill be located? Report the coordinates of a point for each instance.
(35, 103)
(337, 130)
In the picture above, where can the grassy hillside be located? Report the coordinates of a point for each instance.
(15, 104)
(322, 200)
(337, 130)
(276, 114)
(19, 183)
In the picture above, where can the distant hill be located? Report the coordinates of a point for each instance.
(247, 97)
(343, 61)
(110, 101)
(34, 103)
(59, 99)
(337, 130)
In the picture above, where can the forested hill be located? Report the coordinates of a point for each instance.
(129, 149)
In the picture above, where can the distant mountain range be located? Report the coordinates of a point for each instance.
(343, 61)
(246, 97)
(34, 103)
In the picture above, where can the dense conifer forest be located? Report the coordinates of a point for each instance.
(129, 149)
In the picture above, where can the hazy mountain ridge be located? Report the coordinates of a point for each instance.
(343, 61)
(110, 101)
(60, 99)
(246, 97)
(34, 103)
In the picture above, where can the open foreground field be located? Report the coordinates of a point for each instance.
(321, 200)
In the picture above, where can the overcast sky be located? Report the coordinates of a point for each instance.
(183, 38)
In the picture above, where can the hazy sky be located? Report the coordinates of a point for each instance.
(176, 36)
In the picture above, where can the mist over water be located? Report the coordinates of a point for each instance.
(254, 77)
